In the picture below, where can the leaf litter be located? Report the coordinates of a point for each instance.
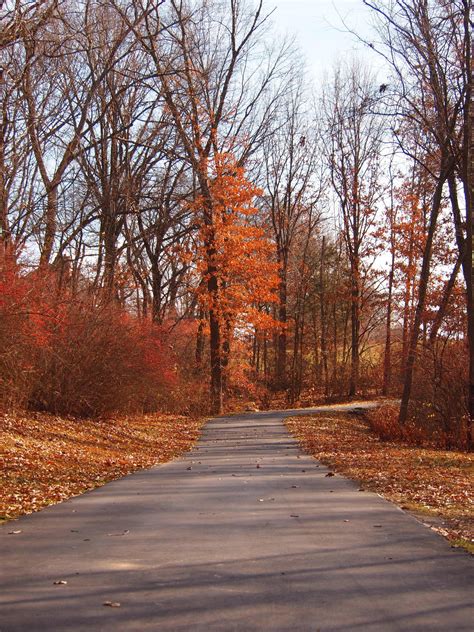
(45, 459)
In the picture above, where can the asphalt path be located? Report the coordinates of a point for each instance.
(243, 533)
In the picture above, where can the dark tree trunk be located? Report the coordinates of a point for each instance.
(4, 225)
(422, 289)
(200, 341)
(324, 324)
(470, 238)
(355, 328)
(227, 333)
(387, 361)
(282, 341)
(215, 342)
(216, 361)
(156, 278)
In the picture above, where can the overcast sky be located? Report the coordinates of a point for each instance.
(318, 26)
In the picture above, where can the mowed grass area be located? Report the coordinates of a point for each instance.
(45, 459)
(436, 485)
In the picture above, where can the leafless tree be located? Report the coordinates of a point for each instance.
(293, 184)
(354, 146)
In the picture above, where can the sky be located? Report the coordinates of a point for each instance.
(318, 26)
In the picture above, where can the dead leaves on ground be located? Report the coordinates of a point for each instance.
(45, 459)
(435, 483)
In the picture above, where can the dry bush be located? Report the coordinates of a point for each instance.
(384, 422)
(439, 402)
(67, 355)
(370, 376)
(99, 360)
(17, 343)
(438, 408)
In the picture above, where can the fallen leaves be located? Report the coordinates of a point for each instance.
(45, 459)
(435, 483)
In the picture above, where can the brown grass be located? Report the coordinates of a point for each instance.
(45, 459)
(435, 484)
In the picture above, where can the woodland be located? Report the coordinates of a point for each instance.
(188, 225)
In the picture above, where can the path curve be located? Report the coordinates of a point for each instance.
(244, 533)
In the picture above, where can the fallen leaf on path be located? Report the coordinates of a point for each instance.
(433, 483)
(45, 459)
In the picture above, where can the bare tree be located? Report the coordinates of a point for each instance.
(20, 17)
(57, 91)
(293, 185)
(354, 142)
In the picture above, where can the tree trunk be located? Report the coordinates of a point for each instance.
(200, 340)
(470, 249)
(4, 226)
(387, 361)
(324, 325)
(422, 289)
(216, 365)
(156, 279)
(355, 327)
(50, 225)
(282, 334)
(226, 339)
(215, 343)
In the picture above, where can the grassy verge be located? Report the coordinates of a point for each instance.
(435, 485)
(45, 459)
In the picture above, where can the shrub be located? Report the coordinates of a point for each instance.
(67, 355)
(439, 402)
(384, 422)
(99, 360)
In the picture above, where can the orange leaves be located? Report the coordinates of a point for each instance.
(232, 248)
(67, 354)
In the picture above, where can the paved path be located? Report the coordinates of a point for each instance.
(244, 533)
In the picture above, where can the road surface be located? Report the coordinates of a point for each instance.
(244, 533)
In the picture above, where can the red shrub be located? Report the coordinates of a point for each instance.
(68, 355)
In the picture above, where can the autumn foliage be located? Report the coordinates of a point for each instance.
(70, 355)
(242, 254)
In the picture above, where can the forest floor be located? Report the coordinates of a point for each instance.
(45, 459)
(435, 485)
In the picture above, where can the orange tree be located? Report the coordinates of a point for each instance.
(234, 260)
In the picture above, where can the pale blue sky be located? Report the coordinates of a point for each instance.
(320, 32)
